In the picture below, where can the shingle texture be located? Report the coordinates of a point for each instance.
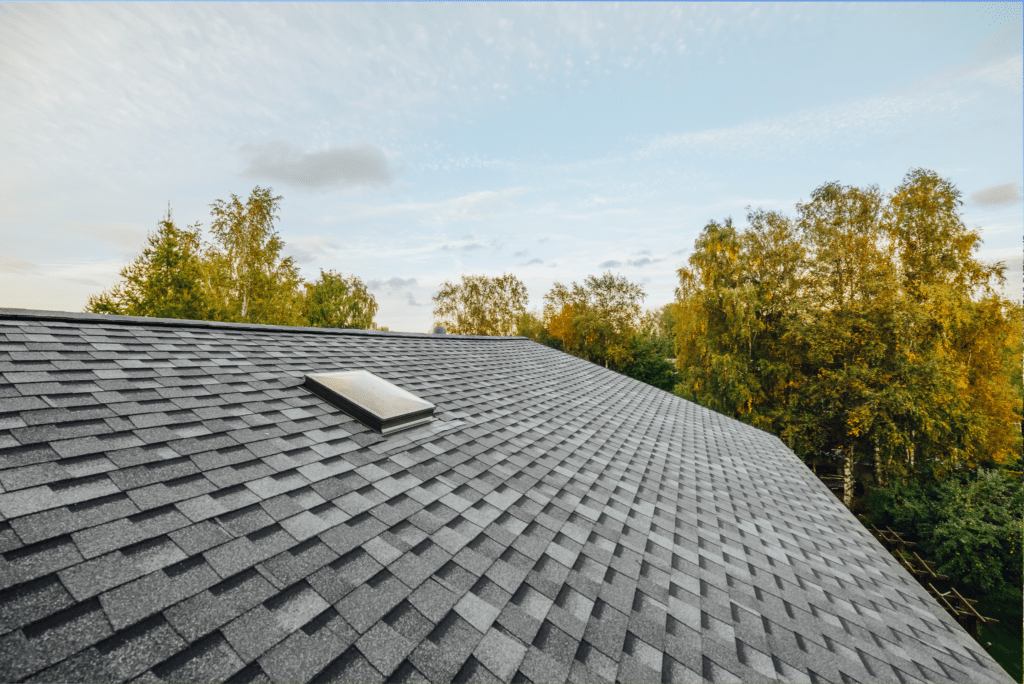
(175, 507)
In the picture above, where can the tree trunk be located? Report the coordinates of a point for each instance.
(848, 477)
(910, 450)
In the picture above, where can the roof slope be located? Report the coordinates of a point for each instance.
(176, 507)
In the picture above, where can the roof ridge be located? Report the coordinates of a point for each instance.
(77, 317)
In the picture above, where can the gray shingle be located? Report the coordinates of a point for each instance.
(158, 590)
(172, 481)
(131, 651)
(197, 538)
(32, 601)
(50, 640)
(208, 660)
(350, 666)
(29, 562)
(60, 521)
(309, 650)
(84, 666)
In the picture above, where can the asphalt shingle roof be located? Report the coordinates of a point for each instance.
(175, 507)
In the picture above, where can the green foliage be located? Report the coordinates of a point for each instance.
(667, 319)
(335, 301)
(1005, 636)
(866, 325)
(250, 280)
(531, 325)
(735, 314)
(933, 245)
(596, 320)
(649, 352)
(601, 322)
(165, 281)
(481, 305)
(970, 524)
(241, 277)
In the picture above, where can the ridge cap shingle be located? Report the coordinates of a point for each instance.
(82, 317)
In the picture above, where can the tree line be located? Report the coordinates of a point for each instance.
(241, 276)
(863, 326)
(601, 320)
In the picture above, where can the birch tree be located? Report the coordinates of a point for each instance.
(337, 301)
(481, 305)
(596, 320)
(251, 281)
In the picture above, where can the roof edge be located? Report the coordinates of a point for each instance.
(75, 317)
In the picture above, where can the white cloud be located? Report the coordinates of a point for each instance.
(1006, 193)
(633, 263)
(1012, 259)
(1014, 288)
(391, 284)
(361, 164)
(311, 250)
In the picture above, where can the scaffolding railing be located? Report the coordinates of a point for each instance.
(961, 609)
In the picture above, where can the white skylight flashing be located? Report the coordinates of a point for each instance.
(371, 400)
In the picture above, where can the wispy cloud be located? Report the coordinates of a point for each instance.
(285, 162)
(91, 282)
(391, 284)
(311, 250)
(476, 205)
(869, 116)
(473, 206)
(470, 247)
(863, 117)
(1006, 193)
(1012, 260)
(13, 266)
(466, 114)
(634, 263)
(1014, 274)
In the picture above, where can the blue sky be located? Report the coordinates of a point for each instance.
(416, 142)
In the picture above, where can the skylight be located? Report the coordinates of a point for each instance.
(371, 400)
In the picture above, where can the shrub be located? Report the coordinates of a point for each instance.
(971, 525)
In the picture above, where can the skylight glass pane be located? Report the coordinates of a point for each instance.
(371, 399)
